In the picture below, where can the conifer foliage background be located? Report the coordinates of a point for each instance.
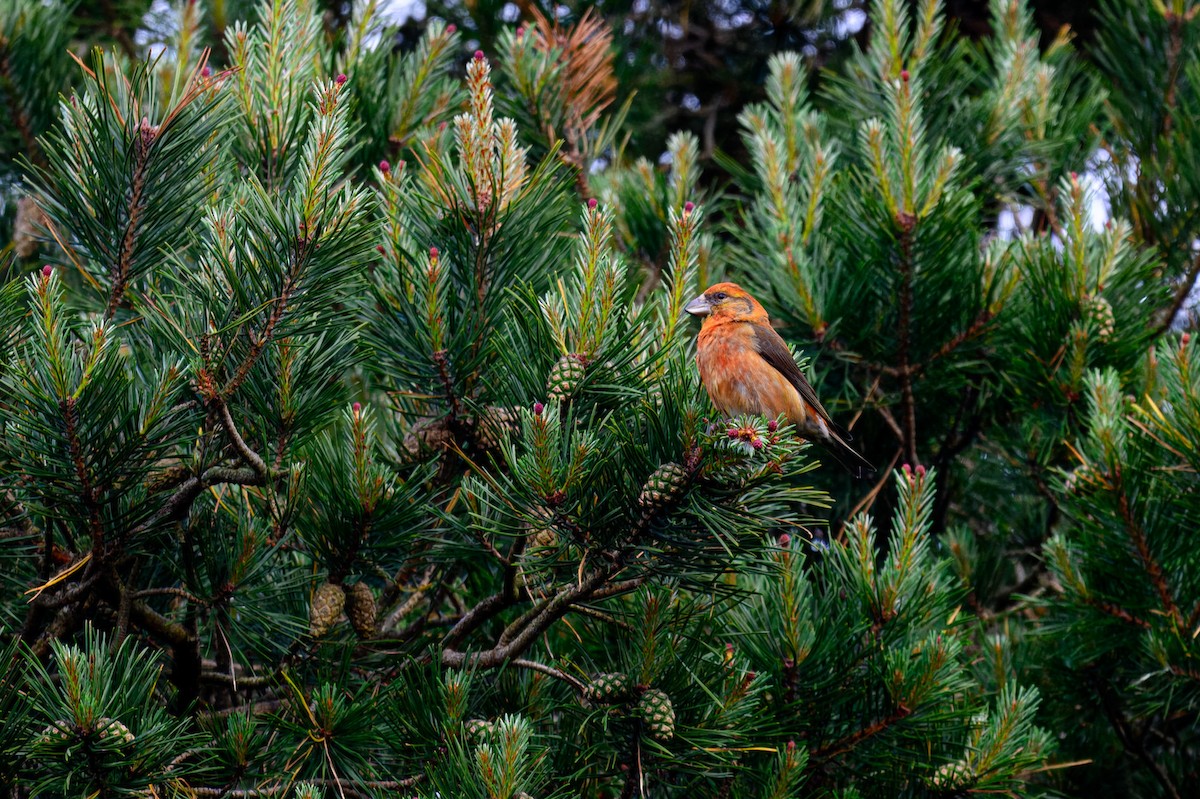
(350, 441)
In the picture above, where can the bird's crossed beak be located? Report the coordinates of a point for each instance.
(699, 306)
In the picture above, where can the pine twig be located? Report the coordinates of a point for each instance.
(1182, 292)
(1152, 567)
(549, 671)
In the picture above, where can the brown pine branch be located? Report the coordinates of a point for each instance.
(843, 745)
(906, 222)
(88, 493)
(119, 270)
(1182, 292)
(299, 256)
(1152, 567)
(549, 671)
(1117, 612)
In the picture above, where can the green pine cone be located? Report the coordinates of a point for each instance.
(657, 714)
(361, 610)
(664, 487)
(478, 728)
(564, 378)
(1099, 312)
(608, 689)
(327, 605)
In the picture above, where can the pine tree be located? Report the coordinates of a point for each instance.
(351, 443)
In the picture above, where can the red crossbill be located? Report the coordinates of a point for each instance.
(747, 369)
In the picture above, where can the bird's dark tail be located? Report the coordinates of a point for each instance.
(847, 456)
(833, 440)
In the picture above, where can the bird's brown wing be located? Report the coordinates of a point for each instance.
(772, 349)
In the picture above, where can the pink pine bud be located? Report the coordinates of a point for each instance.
(47, 270)
(1184, 339)
(920, 471)
(538, 408)
(204, 73)
(907, 469)
(478, 55)
(904, 75)
(433, 253)
(451, 28)
(592, 204)
(381, 250)
(1074, 177)
(441, 126)
(772, 425)
(384, 166)
(357, 408)
(733, 433)
(688, 207)
(340, 79)
(520, 31)
(791, 747)
(729, 649)
(785, 540)
(756, 442)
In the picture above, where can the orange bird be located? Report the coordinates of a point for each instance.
(747, 369)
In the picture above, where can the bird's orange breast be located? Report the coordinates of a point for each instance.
(739, 380)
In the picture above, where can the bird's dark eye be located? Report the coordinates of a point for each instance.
(720, 295)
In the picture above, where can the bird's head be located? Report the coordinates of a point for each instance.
(727, 302)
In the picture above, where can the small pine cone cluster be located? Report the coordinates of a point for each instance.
(111, 728)
(479, 728)
(657, 714)
(951, 775)
(608, 689)
(565, 377)
(361, 610)
(665, 487)
(1099, 312)
(542, 534)
(327, 605)
(1082, 479)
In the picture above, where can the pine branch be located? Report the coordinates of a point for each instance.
(1152, 567)
(1182, 292)
(549, 671)
(843, 745)
(119, 272)
(353, 789)
(1132, 740)
(906, 222)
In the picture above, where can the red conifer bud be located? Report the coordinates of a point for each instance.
(451, 28)
(433, 253)
(785, 540)
(384, 166)
(204, 73)
(688, 207)
(340, 79)
(772, 425)
(592, 204)
(904, 75)
(538, 408)
(478, 55)
(920, 471)
(47, 270)
(381, 250)
(357, 408)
